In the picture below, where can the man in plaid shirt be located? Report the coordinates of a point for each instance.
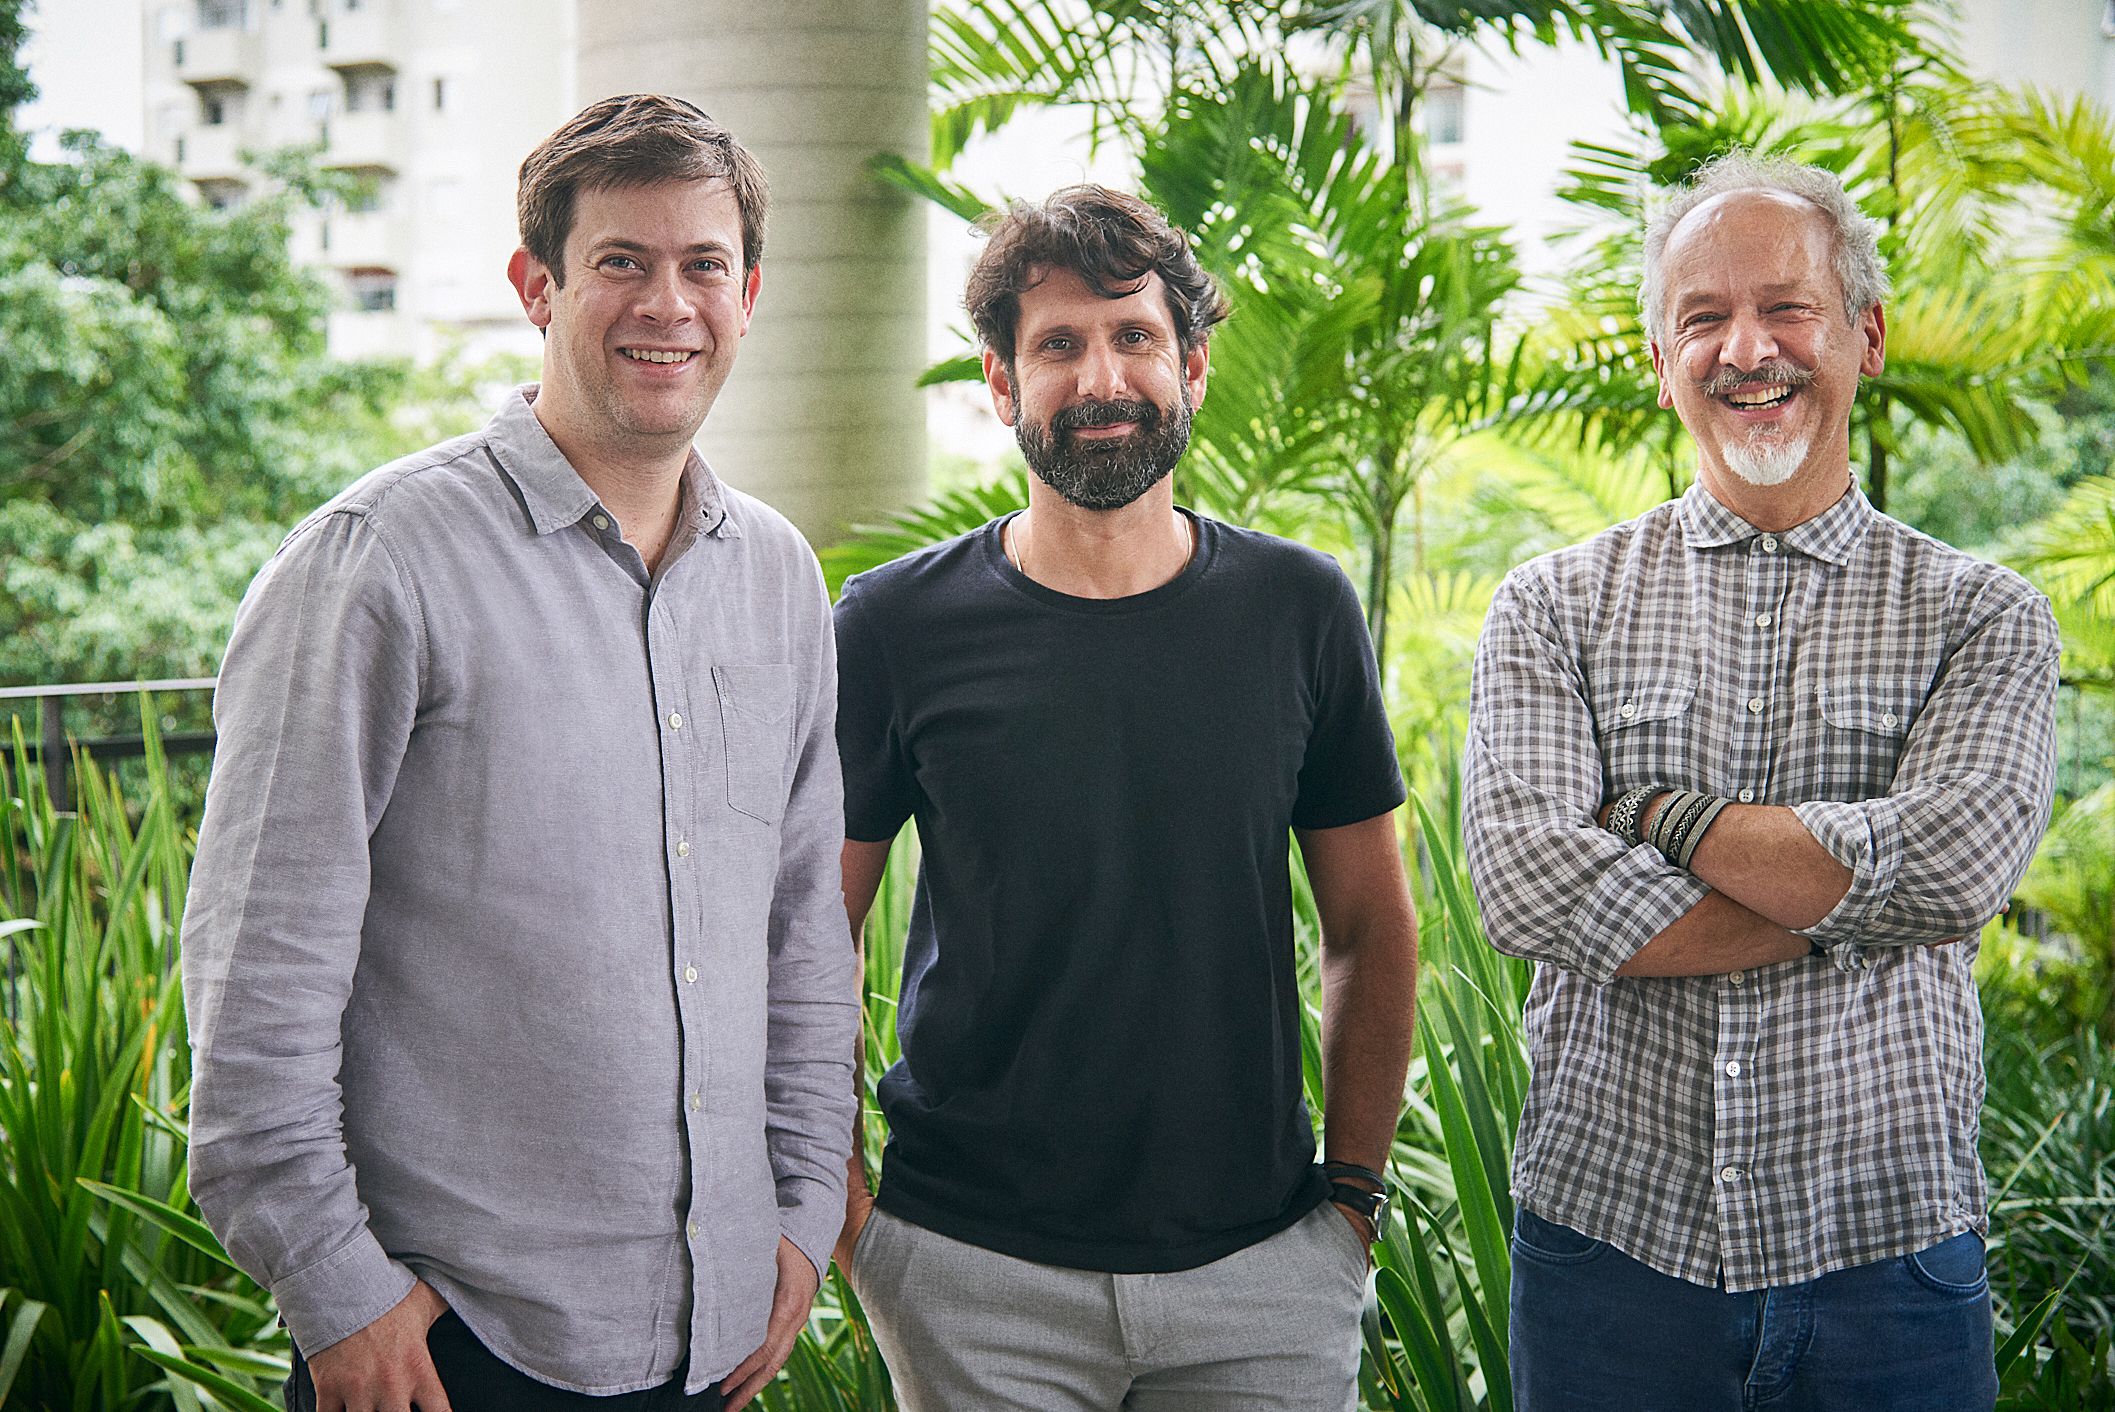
(1746, 776)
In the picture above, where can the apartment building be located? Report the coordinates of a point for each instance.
(426, 105)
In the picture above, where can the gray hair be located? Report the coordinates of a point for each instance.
(1855, 235)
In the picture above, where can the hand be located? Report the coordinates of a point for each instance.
(1359, 1223)
(859, 1209)
(384, 1367)
(797, 1281)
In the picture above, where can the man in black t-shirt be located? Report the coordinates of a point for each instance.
(1105, 713)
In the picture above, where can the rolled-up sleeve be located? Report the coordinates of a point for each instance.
(814, 973)
(1938, 854)
(317, 696)
(1553, 885)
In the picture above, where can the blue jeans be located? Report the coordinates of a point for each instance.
(1594, 1329)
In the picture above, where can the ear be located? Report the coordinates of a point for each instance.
(1659, 371)
(999, 382)
(531, 279)
(1872, 327)
(1195, 364)
(750, 290)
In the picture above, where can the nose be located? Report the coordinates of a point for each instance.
(1102, 376)
(1747, 344)
(662, 299)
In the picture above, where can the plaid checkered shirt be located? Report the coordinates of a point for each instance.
(1763, 1127)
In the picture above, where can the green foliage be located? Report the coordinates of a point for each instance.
(2049, 1146)
(167, 413)
(111, 1291)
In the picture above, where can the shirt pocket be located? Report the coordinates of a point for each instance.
(1643, 727)
(756, 711)
(1867, 723)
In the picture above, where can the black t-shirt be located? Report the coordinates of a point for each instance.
(1099, 1018)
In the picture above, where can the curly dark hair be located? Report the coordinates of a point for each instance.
(636, 139)
(1110, 240)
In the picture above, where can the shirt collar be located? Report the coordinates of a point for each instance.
(1831, 536)
(556, 496)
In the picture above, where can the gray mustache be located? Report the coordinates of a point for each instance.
(1768, 375)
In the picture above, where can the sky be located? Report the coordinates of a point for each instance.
(85, 58)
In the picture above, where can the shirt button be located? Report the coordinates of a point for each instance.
(697, 1101)
(1770, 545)
(1733, 1068)
(690, 1228)
(682, 848)
(690, 974)
(1729, 1174)
(675, 720)
(1747, 796)
(1762, 620)
(1628, 709)
(1889, 719)
(1737, 977)
(1755, 704)
(602, 522)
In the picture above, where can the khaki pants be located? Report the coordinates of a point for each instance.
(965, 1329)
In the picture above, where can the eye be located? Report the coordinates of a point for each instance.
(1135, 337)
(1059, 343)
(711, 264)
(1696, 320)
(619, 262)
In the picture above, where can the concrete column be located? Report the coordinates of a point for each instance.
(821, 417)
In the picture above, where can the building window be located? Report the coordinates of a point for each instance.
(365, 198)
(1444, 113)
(440, 89)
(373, 291)
(216, 111)
(2107, 19)
(222, 14)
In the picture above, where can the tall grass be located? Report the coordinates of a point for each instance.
(112, 1294)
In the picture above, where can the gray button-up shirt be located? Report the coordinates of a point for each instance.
(1771, 1125)
(515, 954)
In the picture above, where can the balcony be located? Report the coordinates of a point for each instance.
(365, 240)
(365, 38)
(229, 54)
(363, 142)
(212, 155)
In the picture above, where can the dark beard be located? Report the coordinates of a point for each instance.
(1105, 475)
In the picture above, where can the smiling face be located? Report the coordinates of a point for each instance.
(642, 333)
(1761, 361)
(1100, 391)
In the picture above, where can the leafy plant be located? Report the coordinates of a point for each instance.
(112, 1293)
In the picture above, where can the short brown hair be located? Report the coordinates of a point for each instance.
(638, 139)
(1110, 240)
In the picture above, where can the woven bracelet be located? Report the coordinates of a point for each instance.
(1623, 814)
(1696, 834)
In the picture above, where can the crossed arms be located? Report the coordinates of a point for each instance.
(1931, 859)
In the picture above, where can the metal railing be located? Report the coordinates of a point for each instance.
(51, 739)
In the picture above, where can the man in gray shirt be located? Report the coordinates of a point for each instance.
(518, 976)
